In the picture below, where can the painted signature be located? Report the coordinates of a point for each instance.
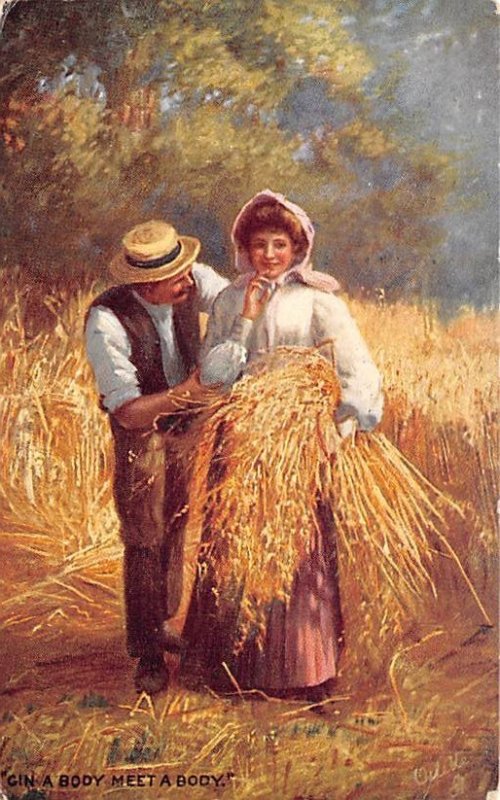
(445, 766)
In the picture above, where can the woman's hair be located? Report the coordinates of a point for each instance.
(270, 215)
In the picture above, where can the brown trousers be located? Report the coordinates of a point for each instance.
(150, 496)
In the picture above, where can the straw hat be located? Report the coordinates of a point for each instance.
(153, 251)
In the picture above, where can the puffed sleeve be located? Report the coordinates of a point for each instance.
(209, 285)
(224, 352)
(360, 381)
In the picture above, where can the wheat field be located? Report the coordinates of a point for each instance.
(415, 709)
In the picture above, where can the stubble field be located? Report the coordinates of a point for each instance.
(415, 709)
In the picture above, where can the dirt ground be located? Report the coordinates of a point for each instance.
(70, 715)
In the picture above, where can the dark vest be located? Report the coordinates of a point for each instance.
(140, 459)
(144, 339)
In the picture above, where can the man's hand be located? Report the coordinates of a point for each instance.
(192, 391)
(257, 294)
(143, 411)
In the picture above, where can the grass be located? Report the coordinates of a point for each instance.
(416, 714)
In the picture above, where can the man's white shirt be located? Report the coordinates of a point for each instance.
(108, 346)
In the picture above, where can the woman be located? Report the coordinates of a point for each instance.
(279, 300)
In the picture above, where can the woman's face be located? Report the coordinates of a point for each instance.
(271, 253)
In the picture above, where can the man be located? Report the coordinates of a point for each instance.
(143, 338)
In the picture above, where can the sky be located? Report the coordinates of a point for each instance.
(446, 52)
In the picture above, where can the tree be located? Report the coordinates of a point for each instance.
(124, 111)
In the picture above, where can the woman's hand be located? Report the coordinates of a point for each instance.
(257, 294)
(348, 428)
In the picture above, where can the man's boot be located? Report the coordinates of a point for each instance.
(151, 675)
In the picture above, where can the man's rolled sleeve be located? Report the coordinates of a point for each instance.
(109, 352)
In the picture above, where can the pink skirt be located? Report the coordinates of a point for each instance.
(303, 638)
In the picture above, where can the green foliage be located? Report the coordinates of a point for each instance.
(312, 34)
(191, 120)
(93, 700)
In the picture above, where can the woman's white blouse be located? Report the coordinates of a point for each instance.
(296, 314)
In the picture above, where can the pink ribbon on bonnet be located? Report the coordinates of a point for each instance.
(304, 270)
